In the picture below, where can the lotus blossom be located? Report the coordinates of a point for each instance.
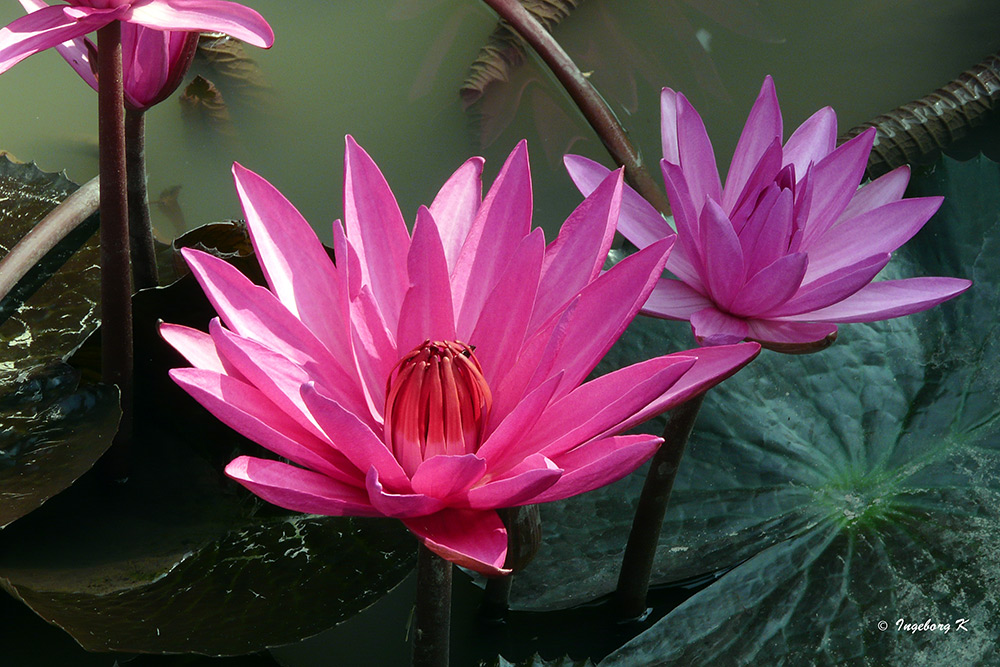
(790, 245)
(50, 26)
(435, 376)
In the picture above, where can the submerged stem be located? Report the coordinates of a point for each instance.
(116, 287)
(143, 253)
(637, 563)
(433, 610)
(597, 112)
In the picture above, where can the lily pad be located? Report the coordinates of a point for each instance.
(179, 558)
(843, 492)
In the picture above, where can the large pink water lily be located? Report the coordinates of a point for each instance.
(49, 26)
(433, 377)
(790, 245)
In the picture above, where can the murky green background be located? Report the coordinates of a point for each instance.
(389, 72)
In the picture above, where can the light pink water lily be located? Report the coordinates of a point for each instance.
(433, 377)
(790, 245)
(50, 26)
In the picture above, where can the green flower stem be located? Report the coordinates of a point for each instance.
(143, 253)
(637, 563)
(433, 610)
(597, 112)
(116, 288)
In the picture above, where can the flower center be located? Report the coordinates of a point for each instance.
(437, 402)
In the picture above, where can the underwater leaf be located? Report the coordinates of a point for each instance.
(202, 101)
(897, 419)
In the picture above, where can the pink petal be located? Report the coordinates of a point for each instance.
(49, 27)
(832, 287)
(231, 18)
(668, 126)
(792, 337)
(519, 487)
(376, 230)
(353, 438)
(598, 464)
(427, 312)
(473, 539)
(762, 128)
(247, 411)
(638, 220)
(503, 220)
(685, 261)
(296, 265)
(299, 490)
(399, 505)
(885, 189)
(811, 141)
(835, 179)
(697, 158)
(576, 256)
(502, 448)
(761, 179)
(713, 327)
(674, 300)
(374, 347)
(195, 346)
(771, 286)
(444, 476)
(455, 207)
(722, 255)
(765, 236)
(887, 299)
(73, 51)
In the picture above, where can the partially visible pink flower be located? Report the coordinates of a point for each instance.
(433, 377)
(790, 245)
(52, 26)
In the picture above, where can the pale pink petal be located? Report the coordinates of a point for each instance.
(697, 158)
(880, 230)
(586, 235)
(713, 327)
(762, 128)
(299, 490)
(674, 300)
(502, 221)
(793, 337)
(455, 207)
(811, 141)
(296, 265)
(638, 221)
(831, 288)
(473, 539)
(668, 126)
(771, 286)
(49, 27)
(722, 255)
(835, 179)
(427, 313)
(195, 346)
(518, 487)
(444, 476)
(376, 230)
(247, 411)
(353, 438)
(399, 505)
(231, 18)
(885, 189)
(888, 299)
(598, 464)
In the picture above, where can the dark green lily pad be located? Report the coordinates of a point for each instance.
(51, 429)
(179, 558)
(838, 490)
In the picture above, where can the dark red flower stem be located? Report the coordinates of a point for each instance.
(597, 112)
(432, 633)
(116, 287)
(143, 253)
(637, 564)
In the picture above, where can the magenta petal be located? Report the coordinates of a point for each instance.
(195, 346)
(835, 179)
(771, 286)
(722, 255)
(713, 327)
(444, 476)
(427, 312)
(763, 126)
(668, 125)
(503, 447)
(831, 288)
(811, 141)
(473, 539)
(697, 158)
(455, 207)
(399, 505)
(204, 16)
(638, 220)
(46, 28)
(674, 300)
(299, 490)
(73, 51)
(518, 487)
(885, 189)
(599, 463)
(888, 299)
(766, 234)
(376, 230)
(793, 337)
(247, 411)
